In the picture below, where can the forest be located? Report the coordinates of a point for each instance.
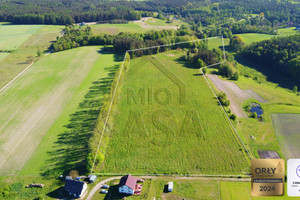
(281, 54)
(195, 12)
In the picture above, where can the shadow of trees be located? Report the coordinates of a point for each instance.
(272, 75)
(113, 193)
(72, 146)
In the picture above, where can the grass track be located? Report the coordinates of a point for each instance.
(165, 138)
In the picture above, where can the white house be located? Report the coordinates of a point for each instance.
(170, 186)
(127, 184)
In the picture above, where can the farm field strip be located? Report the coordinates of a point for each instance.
(85, 105)
(143, 76)
(31, 105)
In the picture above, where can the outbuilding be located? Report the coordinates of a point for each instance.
(170, 186)
(92, 178)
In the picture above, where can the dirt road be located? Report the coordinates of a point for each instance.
(235, 94)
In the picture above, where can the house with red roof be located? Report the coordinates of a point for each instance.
(127, 184)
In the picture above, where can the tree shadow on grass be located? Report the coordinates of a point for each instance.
(71, 148)
(272, 75)
(113, 193)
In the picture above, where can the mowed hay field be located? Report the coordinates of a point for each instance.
(31, 105)
(154, 132)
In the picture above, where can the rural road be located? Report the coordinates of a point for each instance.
(99, 185)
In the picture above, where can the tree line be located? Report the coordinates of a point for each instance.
(74, 37)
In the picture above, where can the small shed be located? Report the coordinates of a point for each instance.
(170, 186)
(92, 178)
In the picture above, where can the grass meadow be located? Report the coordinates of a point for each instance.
(167, 121)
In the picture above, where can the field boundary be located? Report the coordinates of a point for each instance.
(20, 74)
(118, 80)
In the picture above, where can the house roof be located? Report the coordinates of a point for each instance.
(73, 186)
(129, 181)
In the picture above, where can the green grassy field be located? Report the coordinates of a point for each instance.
(116, 28)
(287, 129)
(51, 90)
(17, 61)
(287, 31)
(255, 37)
(160, 134)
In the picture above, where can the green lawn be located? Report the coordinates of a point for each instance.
(160, 134)
(79, 113)
(242, 191)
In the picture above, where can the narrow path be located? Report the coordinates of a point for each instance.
(99, 185)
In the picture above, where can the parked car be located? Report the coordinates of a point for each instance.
(105, 186)
(104, 191)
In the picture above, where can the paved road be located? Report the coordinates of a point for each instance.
(99, 185)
